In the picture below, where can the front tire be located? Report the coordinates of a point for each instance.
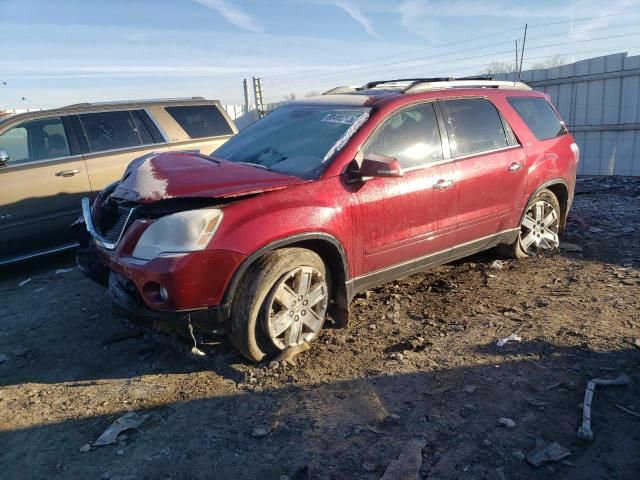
(281, 303)
(539, 227)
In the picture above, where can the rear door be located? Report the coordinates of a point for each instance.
(112, 139)
(41, 185)
(413, 216)
(490, 161)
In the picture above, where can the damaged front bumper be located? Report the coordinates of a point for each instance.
(128, 304)
(175, 291)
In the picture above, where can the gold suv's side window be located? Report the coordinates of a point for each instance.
(36, 140)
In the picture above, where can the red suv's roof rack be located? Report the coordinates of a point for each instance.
(413, 85)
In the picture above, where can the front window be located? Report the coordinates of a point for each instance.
(295, 140)
(35, 140)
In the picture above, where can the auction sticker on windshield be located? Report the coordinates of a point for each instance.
(342, 118)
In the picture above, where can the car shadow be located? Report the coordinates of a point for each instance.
(354, 428)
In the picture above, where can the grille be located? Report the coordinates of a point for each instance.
(115, 231)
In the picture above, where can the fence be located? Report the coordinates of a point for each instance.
(599, 98)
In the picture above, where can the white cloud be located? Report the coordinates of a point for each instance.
(233, 14)
(355, 13)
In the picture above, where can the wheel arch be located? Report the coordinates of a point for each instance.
(326, 246)
(560, 188)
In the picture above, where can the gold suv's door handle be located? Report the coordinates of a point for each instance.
(67, 173)
(443, 184)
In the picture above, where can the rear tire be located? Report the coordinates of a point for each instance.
(539, 228)
(280, 302)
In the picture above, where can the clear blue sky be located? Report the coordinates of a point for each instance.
(56, 52)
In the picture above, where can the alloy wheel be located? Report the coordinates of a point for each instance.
(539, 228)
(297, 307)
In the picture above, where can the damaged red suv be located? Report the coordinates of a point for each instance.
(326, 197)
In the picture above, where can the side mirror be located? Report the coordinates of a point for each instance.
(4, 158)
(376, 165)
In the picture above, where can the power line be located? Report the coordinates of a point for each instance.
(476, 67)
(444, 45)
(404, 63)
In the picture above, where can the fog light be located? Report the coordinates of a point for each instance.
(164, 295)
(155, 293)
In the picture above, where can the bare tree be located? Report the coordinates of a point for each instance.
(500, 67)
(555, 61)
(312, 93)
(289, 98)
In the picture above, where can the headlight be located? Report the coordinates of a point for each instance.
(178, 233)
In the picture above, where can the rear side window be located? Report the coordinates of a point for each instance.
(114, 130)
(474, 126)
(200, 121)
(539, 116)
(411, 136)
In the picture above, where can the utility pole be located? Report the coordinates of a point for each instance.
(257, 90)
(524, 41)
(247, 101)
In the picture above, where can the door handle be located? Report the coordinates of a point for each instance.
(443, 184)
(515, 166)
(68, 173)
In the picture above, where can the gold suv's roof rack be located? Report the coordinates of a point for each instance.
(414, 85)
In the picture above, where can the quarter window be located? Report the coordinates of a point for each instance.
(474, 126)
(411, 136)
(539, 116)
(36, 140)
(200, 121)
(114, 130)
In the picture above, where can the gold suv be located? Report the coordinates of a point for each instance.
(50, 159)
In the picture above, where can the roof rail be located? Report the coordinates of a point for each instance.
(425, 86)
(121, 102)
(404, 81)
(414, 85)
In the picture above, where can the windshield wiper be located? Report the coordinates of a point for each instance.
(254, 165)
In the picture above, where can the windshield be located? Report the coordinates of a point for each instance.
(295, 140)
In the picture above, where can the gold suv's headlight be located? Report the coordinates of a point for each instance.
(180, 232)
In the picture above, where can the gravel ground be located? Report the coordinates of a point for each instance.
(418, 361)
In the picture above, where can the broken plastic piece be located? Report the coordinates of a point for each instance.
(511, 338)
(128, 421)
(547, 452)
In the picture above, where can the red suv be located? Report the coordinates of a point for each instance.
(326, 197)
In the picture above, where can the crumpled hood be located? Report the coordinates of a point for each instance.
(156, 177)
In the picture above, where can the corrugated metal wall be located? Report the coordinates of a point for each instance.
(599, 99)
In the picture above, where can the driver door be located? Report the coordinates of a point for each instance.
(42, 184)
(408, 221)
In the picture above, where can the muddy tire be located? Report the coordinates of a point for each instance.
(281, 302)
(539, 228)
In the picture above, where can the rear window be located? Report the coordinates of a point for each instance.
(200, 121)
(539, 116)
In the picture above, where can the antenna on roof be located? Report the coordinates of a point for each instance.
(524, 41)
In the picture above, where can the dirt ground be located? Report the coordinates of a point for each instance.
(419, 360)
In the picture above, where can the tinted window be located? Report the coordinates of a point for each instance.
(113, 130)
(539, 116)
(296, 140)
(410, 135)
(474, 126)
(36, 140)
(200, 121)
